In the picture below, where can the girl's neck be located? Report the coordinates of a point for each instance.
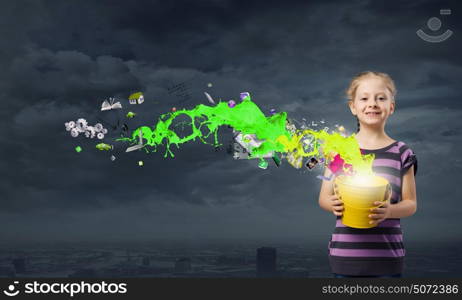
(372, 138)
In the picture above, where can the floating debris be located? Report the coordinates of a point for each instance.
(104, 147)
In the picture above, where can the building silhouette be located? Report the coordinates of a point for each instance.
(183, 265)
(146, 261)
(19, 265)
(266, 262)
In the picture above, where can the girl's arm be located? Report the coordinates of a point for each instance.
(326, 191)
(408, 205)
(327, 199)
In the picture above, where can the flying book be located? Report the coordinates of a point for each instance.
(108, 105)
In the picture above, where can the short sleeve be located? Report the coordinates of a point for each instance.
(408, 159)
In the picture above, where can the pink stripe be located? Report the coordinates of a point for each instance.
(367, 252)
(386, 223)
(385, 162)
(372, 238)
(394, 149)
(406, 154)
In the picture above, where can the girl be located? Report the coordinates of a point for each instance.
(377, 251)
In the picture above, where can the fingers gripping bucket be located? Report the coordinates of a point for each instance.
(358, 199)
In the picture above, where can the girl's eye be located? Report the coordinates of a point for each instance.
(364, 99)
(382, 98)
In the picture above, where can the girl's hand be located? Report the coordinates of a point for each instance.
(380, 214)
(337, 205)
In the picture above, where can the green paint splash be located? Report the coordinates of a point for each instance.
(247, 118)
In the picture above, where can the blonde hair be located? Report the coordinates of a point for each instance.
(351, 91)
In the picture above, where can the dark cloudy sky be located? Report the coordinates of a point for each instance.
(61, 59)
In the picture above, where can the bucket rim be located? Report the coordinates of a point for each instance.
(348, 184)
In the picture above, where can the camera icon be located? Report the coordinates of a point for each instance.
(10, 292)
(434, 24)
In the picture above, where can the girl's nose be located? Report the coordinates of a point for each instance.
(371, 103)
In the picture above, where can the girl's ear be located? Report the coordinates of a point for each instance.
(392, 107)
(352, 107)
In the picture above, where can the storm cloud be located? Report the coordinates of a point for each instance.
(61, 59)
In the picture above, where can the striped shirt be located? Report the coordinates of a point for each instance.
(379, 250)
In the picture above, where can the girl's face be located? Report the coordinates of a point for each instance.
(373, 102)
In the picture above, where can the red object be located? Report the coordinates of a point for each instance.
(174, 109)
(338, 164)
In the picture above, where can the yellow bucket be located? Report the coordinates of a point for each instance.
(359, 197)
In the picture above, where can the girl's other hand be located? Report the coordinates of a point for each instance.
(337, 205)
(379, 214)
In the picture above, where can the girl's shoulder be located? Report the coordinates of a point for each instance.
(403, 147)
(408, 157)
(400, 152)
